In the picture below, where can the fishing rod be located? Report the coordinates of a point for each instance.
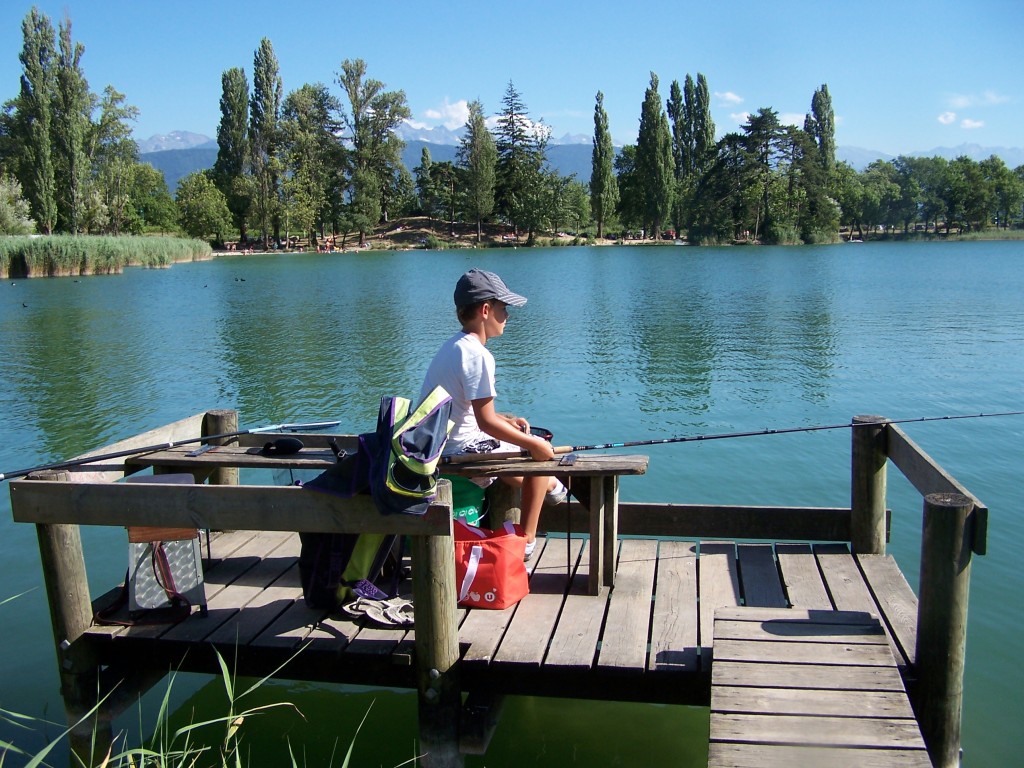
(311, 426)
(465, 458)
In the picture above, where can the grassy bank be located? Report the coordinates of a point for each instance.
(59, 255)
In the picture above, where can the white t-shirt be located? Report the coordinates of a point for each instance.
(465, 368)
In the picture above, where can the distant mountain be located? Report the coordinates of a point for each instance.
(174, 140)
(175, 164)
(567, 159)
(861, 158)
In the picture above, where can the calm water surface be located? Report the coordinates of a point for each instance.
(615, 344)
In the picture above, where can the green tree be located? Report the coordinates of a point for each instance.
(521, 147)
(73, 104)
(152, 206)
(630, 208)
(763, 138)
(233, 145)
(202, 210)
(15, 211)
(478, 158)
(114, 156)
(725, 196)
(425, 191)
(33, 119)
(604, 188)
(375, 147)
(654, 163)
(264, 140)
(1006, 189)
(823, 128)
(309, 149)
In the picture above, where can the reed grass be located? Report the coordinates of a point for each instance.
(61, 255)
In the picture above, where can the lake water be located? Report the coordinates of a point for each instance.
(616, 343)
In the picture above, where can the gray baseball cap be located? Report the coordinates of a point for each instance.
(479, 285)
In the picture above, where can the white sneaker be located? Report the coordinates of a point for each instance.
(559, 495)
(530, 546)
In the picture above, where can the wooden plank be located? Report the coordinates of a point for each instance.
(893, 733)
(896, 599)
(227, 602)
(624, 644)
(817, 616)
(225, 507)
(759, 674)
(595, 465)
(805, 652)
(710, 521)
(291, 628)
(259, 612)
(574, 644)
(801, 577)
(759, 576)
(799, 631)
(731, 755)
(843, 579)
(719, 586)
(786, 701)
(674, 625)
(531, 628)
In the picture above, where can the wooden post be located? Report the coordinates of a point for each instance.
(505, 504)
(219, 422)
(942, 623)
(867, 486)
(67, 592)
(437, 646)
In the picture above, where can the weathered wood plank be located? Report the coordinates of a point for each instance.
(896, 599)
(892, 733)
(226, 507)
(799, 631)
(574, 644)
(804, 652)
(624, 644)
(756, 674)
(719, 586)
(788, 701)
(709, 521)
(759, 576)
(675, 620)
(731, 755)
(261, 611)
(801, 577)
(531, 628)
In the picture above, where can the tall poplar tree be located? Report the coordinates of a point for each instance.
(702, 127)
(375, 147)
(264, 113)
(604, 190)
(654, 163)
(71, 120)
(824, 128)
(229, 170)
(34, 117)
(478, 157)
(308, 149)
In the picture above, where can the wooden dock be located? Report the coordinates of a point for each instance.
(685, 581)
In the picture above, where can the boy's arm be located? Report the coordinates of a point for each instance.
(500, 427)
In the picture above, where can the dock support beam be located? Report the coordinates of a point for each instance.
(867, 488)
(942, 623)
(67, 592)
(221, 422)
(437, 647)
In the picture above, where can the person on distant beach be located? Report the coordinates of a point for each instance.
(465, 368)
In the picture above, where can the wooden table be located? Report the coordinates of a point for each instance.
(594, 480)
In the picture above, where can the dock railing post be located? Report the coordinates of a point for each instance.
(867, 487)
(221, 422)
(942, 623)
(67, 592)
(437, 646)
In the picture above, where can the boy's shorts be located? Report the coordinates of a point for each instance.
(488, 445)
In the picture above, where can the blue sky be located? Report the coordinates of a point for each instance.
(904, 75)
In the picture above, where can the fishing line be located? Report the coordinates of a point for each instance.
(563, 449)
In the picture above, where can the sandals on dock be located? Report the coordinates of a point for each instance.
(394, 612)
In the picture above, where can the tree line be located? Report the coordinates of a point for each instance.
(312, 163)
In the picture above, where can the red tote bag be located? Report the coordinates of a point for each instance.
(489, 567)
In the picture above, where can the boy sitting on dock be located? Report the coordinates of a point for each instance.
(465, 368)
